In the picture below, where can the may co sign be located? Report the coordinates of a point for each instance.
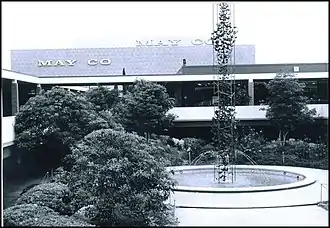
(62, 63)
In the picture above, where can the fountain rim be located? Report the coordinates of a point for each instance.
(303, 183)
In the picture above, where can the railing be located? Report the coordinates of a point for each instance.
(242, 112)
(324, 187)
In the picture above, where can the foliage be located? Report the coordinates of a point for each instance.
(53, 195)
(296, 152)
(110, 118)
(144, 108)
(102, 97)
(51, 122)
(195, 145)
(242, 97)
(81, 197)
(223, 123)
(125, 183)
(250, 144)
(35, 215)
(170, 155)
(86, 213)
(300, 153)
(163, 139)
(287, 105)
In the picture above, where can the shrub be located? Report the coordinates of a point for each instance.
(87, 213)
(127, 184)
(35, 215)
(110, 118)
(195, 146)
(296, 153)
(167, 152)
(251, 144)
(53, 195)
(48, 124)
(102, 97)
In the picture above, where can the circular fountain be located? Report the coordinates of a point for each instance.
(225, 177)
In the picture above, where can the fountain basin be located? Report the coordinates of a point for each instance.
(201, 176)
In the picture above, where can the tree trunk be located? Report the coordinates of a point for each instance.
(284, 138)
(280, 137)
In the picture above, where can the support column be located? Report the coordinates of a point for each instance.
(125, 88)
(251, 91)
(178, 95)
(1, 104)
(38, 89)
(14, 98)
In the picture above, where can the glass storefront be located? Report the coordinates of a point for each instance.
(198, 94)
(316, 90)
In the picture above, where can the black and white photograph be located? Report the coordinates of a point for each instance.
(136, 114)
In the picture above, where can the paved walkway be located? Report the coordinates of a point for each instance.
(286, 216)
(294, 216)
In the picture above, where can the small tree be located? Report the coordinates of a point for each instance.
(144, 108)
(49, 123)
(223, 39)
(287, 105)
(102, 97)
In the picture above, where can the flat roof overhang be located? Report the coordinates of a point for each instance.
(111, 79)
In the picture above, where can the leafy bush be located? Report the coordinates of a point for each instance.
(53, 195)
(127, 185)
(35, 215)
(251, 144)
(80, 197)
(296, 152)
(169, 151)
(102, 97)
(87, 213)
(110, 118)
(195, 145)
(164, 139)
(167, 154)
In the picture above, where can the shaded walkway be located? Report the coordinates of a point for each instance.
(12, 189)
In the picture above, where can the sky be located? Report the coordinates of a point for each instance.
(283, 32)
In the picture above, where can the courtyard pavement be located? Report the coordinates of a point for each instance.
(234, 215)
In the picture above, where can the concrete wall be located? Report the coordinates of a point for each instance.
(7, 130)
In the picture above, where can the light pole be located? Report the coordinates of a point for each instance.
(283, 157)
